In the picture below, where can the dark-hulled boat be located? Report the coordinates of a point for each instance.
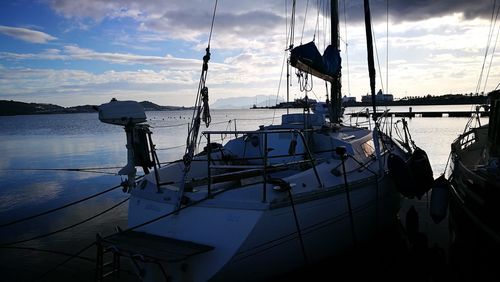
(474, 198)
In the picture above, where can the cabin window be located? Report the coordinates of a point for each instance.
(368, 148)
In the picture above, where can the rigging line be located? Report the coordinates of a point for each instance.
(260, 119)
(297, 226)
(171, 162)
(288, 46)
(292, 26)
(200, 113)
(316, 96)
(488, 42)
(387, 48)
(75, 255)
(447, 163)
(170, 148)
(328, 8)
(347, 52)
(316, 27)
(349, 206)
(320, 37)
(175, 211)
(64, 228)
(221, 122)
(212, 25)
(324, 24)
(200, 100)
(376, 56)
(286, 25)
(492, 55)
(62, 207)
(173, 125)
(70, 169)
(47, 251)
(490, 36)
(279, 85)
(59, 169)
(304, 25)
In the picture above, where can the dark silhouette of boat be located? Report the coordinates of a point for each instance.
(474, 195)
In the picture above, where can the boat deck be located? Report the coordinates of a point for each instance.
(153, 247)
(143, 247)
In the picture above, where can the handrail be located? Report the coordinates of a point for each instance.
(265, 132)
(209, 170)
(465, 140)
(264, 188)
(310, 157)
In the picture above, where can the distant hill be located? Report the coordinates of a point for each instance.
(8, 108)
(246, 102)
(12, 108)
(150, 106)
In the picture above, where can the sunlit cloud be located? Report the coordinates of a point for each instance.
(73, 52)
(28, 35)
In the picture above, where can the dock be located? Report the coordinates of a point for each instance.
(426, 114)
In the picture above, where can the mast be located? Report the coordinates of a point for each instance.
(336, 85)
(371, 62)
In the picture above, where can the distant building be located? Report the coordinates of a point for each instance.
(379, 98)
(300, 101)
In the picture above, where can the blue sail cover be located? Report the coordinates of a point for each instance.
(307, 58)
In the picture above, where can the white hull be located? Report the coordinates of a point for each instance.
(256, 240)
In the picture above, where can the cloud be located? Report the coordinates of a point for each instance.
(189, 25)
(415, 10)
(27, 35)
(179, 19)
(73, 52)
(188, 19)
(418, 9)
(76, 53)
(73, 87)
(169, 87)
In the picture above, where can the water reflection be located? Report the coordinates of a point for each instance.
(31, 193)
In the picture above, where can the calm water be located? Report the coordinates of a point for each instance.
(33, 147)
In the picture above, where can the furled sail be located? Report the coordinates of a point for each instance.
(307, 58)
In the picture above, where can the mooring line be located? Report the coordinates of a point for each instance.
(61, 207)
(65, 228)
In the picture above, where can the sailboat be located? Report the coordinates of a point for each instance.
(266, 202)
(474, 185)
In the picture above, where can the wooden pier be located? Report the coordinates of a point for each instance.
(411, 114)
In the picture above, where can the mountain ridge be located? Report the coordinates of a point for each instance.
(13, 108)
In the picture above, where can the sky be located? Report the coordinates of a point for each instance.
(78, 52)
